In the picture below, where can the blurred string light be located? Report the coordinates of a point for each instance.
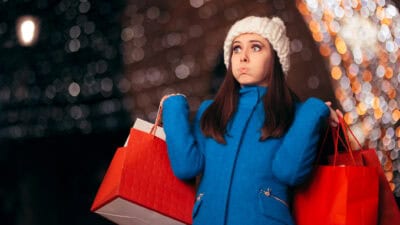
(27, 30)
(69, 80)
(156, 57)
(360, 40)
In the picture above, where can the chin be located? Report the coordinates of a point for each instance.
(247, 83)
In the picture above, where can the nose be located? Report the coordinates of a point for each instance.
(244, 56)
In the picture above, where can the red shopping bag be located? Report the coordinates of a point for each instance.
(388, 211)
(139, 187)
(338, 194)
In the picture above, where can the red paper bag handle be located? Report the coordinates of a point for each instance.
(159, 114)
(346, 143)
(157, 122)
(345, 127)
(336, 138)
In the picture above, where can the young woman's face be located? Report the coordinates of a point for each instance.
(251, 60)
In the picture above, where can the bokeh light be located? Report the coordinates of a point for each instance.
(360, 40)
(71, 67)
(27, 30)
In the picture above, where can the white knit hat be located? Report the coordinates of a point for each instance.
(273, 30)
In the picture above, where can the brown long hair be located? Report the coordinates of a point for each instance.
(279, 106)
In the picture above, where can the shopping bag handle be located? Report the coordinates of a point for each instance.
(346, 127)
(322, 144)
(342, 126)
(346, 143)
(157, 123)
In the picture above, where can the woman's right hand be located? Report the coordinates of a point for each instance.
(167, 96)
(159, 117)
(334, 115)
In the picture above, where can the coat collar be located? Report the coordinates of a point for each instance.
(251, 95)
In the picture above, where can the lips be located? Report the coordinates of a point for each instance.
(243, 70)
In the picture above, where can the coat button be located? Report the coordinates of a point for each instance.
(267, 192)
(199, 197)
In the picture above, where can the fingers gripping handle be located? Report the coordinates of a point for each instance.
(157, 123)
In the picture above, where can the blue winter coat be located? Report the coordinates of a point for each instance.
(246, 181)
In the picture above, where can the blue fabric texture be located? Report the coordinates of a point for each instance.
(245, 181)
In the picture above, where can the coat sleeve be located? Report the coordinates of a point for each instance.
(294, 159)
(184, 142)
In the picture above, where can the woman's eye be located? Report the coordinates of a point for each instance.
(256, 48)
(236, 49)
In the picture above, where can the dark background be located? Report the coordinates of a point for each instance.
(55, 148)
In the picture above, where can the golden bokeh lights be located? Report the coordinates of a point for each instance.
(360, 41)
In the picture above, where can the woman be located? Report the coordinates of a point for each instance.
(254, 141)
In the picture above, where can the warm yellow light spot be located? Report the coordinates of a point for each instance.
(386, 21)
(314, 26)
(347, 118)
(361, 108)
(340, 94)
(389, 175)
(325, 50)
(396, 117)
(340, 45)
(378, 113)
(358, 6)
(356, 87)
(317, 37)
(331, 29)
(398, 133)
(375, 103)
(302, 8)
(388, 167)
(383, 58)
(367, 76)
(389, 73)
(392, 186)
(328, 17)
(336, 73)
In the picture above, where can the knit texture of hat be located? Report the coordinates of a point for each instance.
(273, 30)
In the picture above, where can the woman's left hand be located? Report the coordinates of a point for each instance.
(334, 115)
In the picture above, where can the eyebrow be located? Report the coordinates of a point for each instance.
(251, 41)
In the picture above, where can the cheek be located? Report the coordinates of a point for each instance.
(234, 62)
(267, 68)
(234, 59)
(267, 64)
